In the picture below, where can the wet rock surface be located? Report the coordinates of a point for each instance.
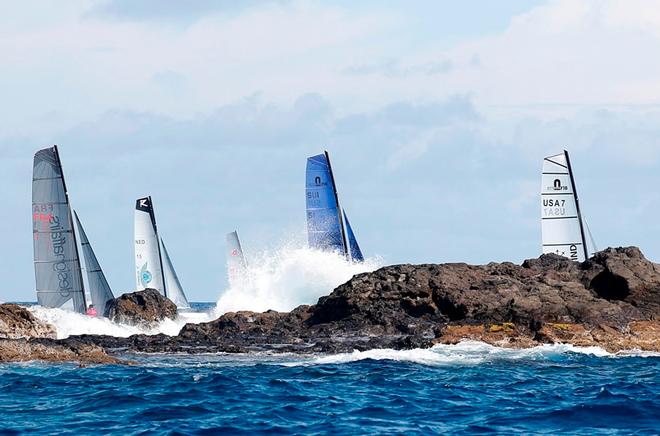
(17, 322)
(611, 300)
(143, 308)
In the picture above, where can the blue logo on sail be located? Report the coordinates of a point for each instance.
(145, 275)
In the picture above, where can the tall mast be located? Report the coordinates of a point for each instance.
(577, 206)
(341, 220)
(73, 231)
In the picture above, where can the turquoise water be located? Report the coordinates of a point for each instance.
(468, 388)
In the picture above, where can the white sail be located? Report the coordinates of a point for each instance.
(174, 289)
(148, 270)
(236, 264)
(561, 221)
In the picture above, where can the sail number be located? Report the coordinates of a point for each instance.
(313, 199)
(553, 207)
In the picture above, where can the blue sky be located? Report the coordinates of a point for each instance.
(436, 114)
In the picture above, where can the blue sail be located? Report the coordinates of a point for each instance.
(356, 253)
(324, 227)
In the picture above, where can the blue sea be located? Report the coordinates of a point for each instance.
(466, 388)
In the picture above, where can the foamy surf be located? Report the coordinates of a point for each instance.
(467, 353)
(68, 323)
(288, 277)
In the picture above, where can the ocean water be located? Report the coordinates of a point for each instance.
(465, 388)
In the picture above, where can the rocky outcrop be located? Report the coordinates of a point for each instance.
(144, 308)
(611, 301)
(23, 350)
(17, 322)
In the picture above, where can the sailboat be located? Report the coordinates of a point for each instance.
(57, 265)
(154, 268)
(328, 227)
(562, 223)
(236, 263)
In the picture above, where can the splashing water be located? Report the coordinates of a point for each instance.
(288, 277)
(464, 353)
(68, 323)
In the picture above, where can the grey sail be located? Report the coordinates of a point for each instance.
(172, 284)
(98, 287)
(236, 264)
(56, 261)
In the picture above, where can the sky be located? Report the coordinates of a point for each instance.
(436, 114)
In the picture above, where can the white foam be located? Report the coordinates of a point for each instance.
(68, 323)
(467, 353)
(288, 277)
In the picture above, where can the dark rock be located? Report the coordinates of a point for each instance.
(625, 275)
(145, 308)
(18, 322)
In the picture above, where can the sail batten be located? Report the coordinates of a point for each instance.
(99, 289)
(57, 268)
(561, 220)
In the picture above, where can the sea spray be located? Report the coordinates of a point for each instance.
(68, 323)
(289, 276)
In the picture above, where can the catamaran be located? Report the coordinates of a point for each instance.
(562, 223)
(236, 263)
(153, 265)
(57, 265)
(328, 227)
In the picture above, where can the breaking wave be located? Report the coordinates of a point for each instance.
(468, 353)
(68, 323)
(288, 277)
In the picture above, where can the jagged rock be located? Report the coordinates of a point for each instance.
(627, 276)
(17, 322)
(611, 300)
(146, 308)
